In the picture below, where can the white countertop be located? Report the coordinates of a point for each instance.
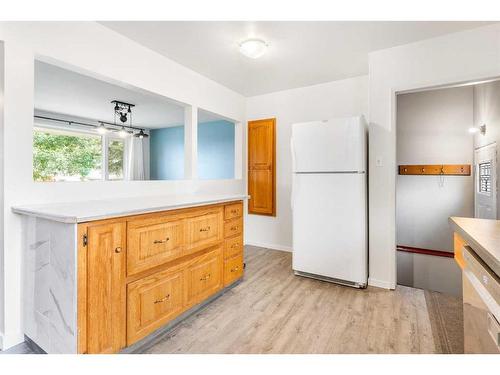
(78, 212)
(483, 236)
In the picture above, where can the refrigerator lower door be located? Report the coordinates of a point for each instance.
(330, 227)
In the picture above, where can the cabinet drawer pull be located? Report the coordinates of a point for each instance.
(234, 211)
(161, 241)
(163, 299)
(235, 245)
(234, 228)
(206, 277)
(235, 269)
(118, 250)
(206, 229)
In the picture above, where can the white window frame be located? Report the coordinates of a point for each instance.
(105, 139)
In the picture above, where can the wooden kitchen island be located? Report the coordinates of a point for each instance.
(102, 275)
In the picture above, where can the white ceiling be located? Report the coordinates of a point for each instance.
(62, 91)
(299, 53)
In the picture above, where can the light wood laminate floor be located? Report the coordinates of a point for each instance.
(274, 311)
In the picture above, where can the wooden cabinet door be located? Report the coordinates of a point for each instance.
(106, 291)
(152, 302)
(262, 167)
(152, 242)
(204, 277)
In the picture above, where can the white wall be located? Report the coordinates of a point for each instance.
(90, 48)
(487, 112)
(1, 195)
(347, 97)
(465, 56)
(432, 128)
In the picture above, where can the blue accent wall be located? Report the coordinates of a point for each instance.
(216, 150)
(167, 153)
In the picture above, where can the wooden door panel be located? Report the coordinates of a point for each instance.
(260, 189)
(262, 167)
(204, 277)
(152, 243)
(106, 297)
(259, 148)
(205, 230)
(152, 302)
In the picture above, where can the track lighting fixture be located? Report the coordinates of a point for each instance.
(123, 133)
(122, 110)
(141, 135)
(101, 129)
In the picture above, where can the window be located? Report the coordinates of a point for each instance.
(485, 177)
(116, 156)
(72, 155)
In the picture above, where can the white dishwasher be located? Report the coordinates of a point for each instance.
(481, 299)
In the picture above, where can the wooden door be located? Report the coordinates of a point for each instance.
(262, 167)
(106, 291)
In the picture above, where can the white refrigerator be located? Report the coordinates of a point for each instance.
(329, 200)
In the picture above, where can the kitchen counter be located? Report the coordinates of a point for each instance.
(79, 212)
(483, 236)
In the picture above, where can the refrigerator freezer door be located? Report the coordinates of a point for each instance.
(330, 225)
(329, 146)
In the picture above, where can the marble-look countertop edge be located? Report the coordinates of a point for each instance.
(72, 219)
(482, 252)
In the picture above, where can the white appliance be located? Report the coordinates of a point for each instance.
(329, 200)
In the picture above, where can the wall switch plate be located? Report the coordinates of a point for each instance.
(379, 161)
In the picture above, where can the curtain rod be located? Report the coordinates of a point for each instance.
(70, 122)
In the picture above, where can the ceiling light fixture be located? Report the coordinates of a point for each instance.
(122, 110)
(141, 135)
(101, 129)
(253, 48)
(123, 133)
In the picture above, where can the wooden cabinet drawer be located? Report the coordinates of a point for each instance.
(233, 269)
(205, 229)
(152, 302)
(152, 242)
(233, 227)
(233, 246)
(233, 211)
(204, 276)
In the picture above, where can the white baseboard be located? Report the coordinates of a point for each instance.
(380, 283)
(270, 246)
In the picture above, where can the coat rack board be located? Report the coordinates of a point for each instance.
(436, 169)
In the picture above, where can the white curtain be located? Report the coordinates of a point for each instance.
(135, 159)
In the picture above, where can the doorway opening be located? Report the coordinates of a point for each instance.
(447, 157)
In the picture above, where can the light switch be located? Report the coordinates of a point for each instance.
(379, 161)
